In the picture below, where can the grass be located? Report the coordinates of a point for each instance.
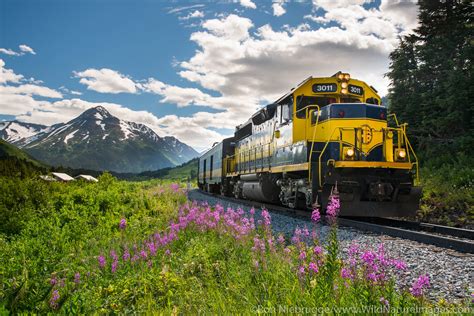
(141, 247)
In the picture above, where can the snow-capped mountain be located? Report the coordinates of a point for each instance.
(100, 141)
(16, 132)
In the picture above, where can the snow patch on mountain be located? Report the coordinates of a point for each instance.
(126, 130)
(69, 136)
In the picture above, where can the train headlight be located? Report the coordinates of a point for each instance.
(347, 76)
(340, 76)
(344, 85)
(344, 91)
(400, 154)
(349, 153)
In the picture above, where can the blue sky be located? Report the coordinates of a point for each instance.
(185, 68)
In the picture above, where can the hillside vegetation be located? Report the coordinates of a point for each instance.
(431, 89)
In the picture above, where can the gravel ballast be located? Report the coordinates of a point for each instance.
(451, 273)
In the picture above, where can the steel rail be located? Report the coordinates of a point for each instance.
(431, 234)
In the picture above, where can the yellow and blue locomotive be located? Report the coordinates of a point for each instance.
(326, 133)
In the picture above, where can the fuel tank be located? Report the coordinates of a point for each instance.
(260, 188)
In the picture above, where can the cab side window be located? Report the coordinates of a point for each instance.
(286, 110)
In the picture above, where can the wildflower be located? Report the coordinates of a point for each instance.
(77, 278)
(313, 267)
(315, 215)
(266, 218)
(305, 232)
(53, 302)
(384, 301)
(53, 281)
(371, 277)
(345, 273)
(302, 255)
(333, 207)
(399, 265)
(167, 252)
(149, 264)
(252, 211)
(174, 187)
(287, 250)
(123, 223)
(317, 250)
(368, 257)
(421, 283)
(126, 255)
(101, 260)
(114, 266)
(281, 239)
(301, 270)
(143, 254)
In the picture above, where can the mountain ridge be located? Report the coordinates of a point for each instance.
(100, 141)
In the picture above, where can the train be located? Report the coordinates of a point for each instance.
(326, 135)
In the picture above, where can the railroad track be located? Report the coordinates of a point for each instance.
(458, 239)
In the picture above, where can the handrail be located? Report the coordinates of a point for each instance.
(403, 129)
(314, 135)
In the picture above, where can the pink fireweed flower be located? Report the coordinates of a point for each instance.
(371, 277)
(368, 257)
(123, 223)
(423, 282)
(399, 265)
(143, 254)
(315, 215)
(305, 232)
(266, 218)
(53, 281)
(384, 301)
(345, 273)
(301, 270)
(167, 252)
(252, 211)
(113, 255)
(313, 267)
(333, 206)
(302, 255)
(126, 255)
(77, 278)
(101, 260)
(287, 250)
(174, 187)
(281, 239)
(114, 266)
(317, 250)
(53, 301)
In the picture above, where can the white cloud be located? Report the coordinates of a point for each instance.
(179, 9)
(8, 51)
(248, 4)
(278, 7)
(27, 49)
(7, 75)
(402, 13)
(332, 4)
(193, 15)
(30, 89)
(106, 81)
